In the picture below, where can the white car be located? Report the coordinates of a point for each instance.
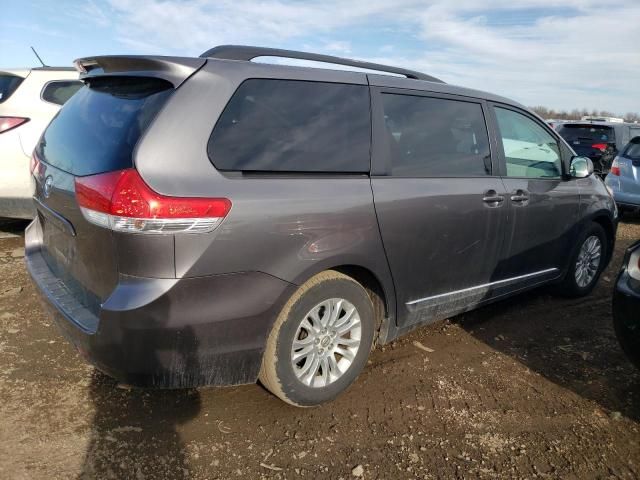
(29, 99)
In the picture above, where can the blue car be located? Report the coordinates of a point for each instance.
(623, 180)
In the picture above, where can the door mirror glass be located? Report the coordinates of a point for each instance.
(581, 167)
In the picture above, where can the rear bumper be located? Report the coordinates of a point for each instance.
(621, 197)
(17, 207)
(16, 185)
(627, 200)
(168, 333)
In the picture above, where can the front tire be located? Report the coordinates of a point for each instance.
(320, 342)
(586, 263)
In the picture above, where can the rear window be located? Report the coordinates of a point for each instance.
(633, 149)
(591, 133)
(59, 92)
(293, 126)
(8, 85)
(97, 129)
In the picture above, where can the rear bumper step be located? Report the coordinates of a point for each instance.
(168, 333)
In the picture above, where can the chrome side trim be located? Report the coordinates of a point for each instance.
(479, 287)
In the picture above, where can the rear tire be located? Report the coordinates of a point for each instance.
(320, 342)
(582, 274)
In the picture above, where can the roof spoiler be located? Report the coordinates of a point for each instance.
(175, 70)
(247, 53)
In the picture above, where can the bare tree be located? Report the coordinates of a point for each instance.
(576, 114)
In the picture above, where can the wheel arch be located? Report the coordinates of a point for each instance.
(609, 228)
(380, 290)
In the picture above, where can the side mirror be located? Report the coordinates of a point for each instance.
(581, 167)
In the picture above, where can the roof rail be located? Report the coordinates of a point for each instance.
(247, 53)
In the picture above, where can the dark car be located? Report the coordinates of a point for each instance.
(600, 141)
(626, 304)
(213, 220)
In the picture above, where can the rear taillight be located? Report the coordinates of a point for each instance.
(121, 201)
(599, 146)
(9, 123)
(615, 167)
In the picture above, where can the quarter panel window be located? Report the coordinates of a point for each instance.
(436, 137)
(294, 126)
(529, 150)
(60, 91)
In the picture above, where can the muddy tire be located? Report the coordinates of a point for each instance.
(320, 342)
(587, 261)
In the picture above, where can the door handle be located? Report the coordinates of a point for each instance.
(520, 197)
(492, 198)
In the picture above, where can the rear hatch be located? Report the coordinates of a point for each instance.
(95, 132)
(588, 140)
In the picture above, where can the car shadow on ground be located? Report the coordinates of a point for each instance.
(134, 433)
(570, 342)
(632, 218)
(10, 227)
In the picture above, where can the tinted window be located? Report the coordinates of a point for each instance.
(633, 149)
(434, 137)
(529, 150)
(97, 129)
(293, 126)
(8, 85)
(60, 91)
(588, 133)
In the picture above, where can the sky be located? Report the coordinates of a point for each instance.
(559, 54)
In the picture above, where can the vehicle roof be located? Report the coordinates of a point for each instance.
(373, 79)
(410, 79)
(20, 72)
(177, 69)
(41, 69)
(424, 85)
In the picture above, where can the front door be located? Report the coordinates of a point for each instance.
(542, 203)
(440, 207)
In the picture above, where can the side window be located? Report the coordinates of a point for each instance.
(529, 150)
(59, 92)
(294, 126)
(435, 137)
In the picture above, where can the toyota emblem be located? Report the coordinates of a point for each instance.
(48, 183)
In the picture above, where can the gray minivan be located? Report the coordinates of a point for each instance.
(214, 220)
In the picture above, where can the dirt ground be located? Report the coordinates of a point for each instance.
(533, 387)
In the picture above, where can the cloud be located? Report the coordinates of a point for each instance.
(90, 11)
(338, 47)
(563, 54)
(30, 27)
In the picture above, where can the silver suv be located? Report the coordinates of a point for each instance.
(214, 221)
(624, 178)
